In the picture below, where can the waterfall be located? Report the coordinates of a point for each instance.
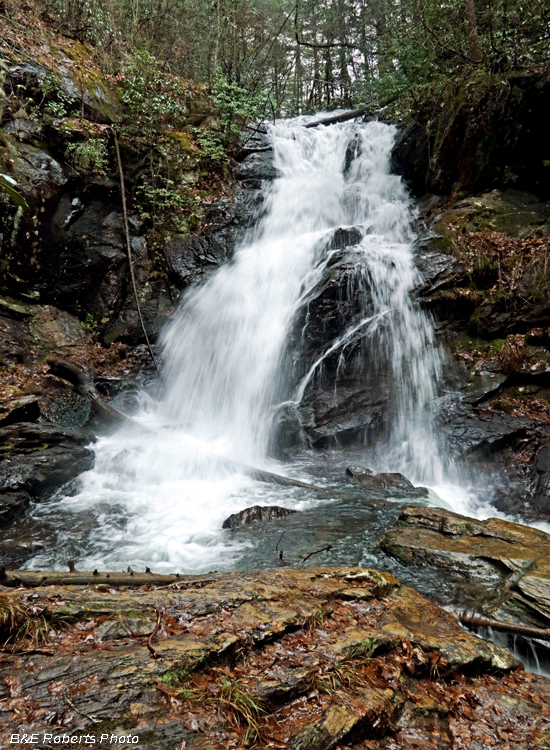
(159, 494)
(225, 345)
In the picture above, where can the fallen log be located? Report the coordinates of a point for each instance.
(342, 117)
(35, 578)
(83, 382)
(504, 627)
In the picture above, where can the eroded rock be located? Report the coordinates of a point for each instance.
(507, 564)
(317, 668)
(256, 514)
(38, 458)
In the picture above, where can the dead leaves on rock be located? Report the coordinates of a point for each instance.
(233, 679)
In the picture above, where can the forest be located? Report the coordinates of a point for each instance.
(311, 55)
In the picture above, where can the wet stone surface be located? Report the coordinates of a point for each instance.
(506, 565)
(315, 658)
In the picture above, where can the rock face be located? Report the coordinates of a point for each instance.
(487, 131)
(36, 459)
(68, 250)
(310, 659)
(256, 514)
(342, 402)
(507, 565)
(485, 281)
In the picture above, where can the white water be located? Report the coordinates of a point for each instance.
(159, 494)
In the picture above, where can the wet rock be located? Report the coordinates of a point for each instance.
(410, 157)
(473, 138)
(513, 448)
(345, 237)
(54, 330)
(322, 667)
(22, 409)
(385, 485)
(14, 335)
(39, 458)
(38, 169)
(507, 565)
(13, 506)
(438, 271)
(344, 391)
(192, 257)
(256, 514)
(483, 386)
(479, 298)
(24, 129)
(256, 168)
(355, 413)
(67, 408)
(38, 330)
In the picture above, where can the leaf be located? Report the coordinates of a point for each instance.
(8, 183)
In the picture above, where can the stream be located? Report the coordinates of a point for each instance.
(161, 488)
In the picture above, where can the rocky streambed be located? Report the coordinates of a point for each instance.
(309, 659)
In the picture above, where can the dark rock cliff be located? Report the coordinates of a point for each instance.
(486, 131)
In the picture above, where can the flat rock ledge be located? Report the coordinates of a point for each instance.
(309, 659)
(505, 567)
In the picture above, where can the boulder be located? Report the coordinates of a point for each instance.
(439, 271)
(256, 514)
(512, 447)
(320, 657)
(344, 393)
(39, 458)
(506, 565)
(255, 169)
(385, 485)
(36, 331)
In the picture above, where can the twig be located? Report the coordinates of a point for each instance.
(317, 551)
(72, 705)
(505, 627)
(153, 634)
(24, 652)
(277, 545)
(129, 251)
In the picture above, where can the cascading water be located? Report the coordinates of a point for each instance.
(158, 494)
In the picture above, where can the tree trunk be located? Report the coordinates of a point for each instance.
(475, 46)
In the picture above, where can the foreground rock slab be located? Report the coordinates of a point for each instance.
(506, 565)
(309, 659)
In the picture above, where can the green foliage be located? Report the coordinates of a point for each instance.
(8, 185)
(235, 106)
(88, 20)
(310, 54)
(90, 324)
(58, 103)
(90, 155)
(161, 199)
(155, 105)
(154, 100)
(212, 146)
